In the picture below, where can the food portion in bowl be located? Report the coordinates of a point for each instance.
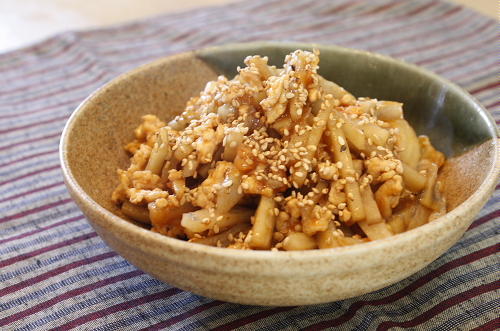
(281, 159)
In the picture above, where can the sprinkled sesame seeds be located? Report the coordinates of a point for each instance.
(216, 228)
(268, 124)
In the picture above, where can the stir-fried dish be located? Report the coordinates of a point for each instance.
(281, 159)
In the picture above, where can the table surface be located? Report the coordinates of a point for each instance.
(55, 271)
(25, 22)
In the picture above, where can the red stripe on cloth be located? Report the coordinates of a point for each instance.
(40, 110)
(29, 255)
(286, 6)
(314, 27)
(184, 35)
(42, 229)
(15, 196)
(68, 295)
(194, 16)
(339, 8)
(29, 141)
(484, 88)
(381, 9)
(140, 46)
(147, 29)
(16, 55)
(65, 77)
(208, 41)
(151, 56)
(493, 105)
(467, 62)
(34, 124)
(252, 318)
(406, 38)
(326, 25)
(447, 41)
(36, 172)
(492, 325)
(266, 5)
(485, 218)
(149, 34)
(411, 26)
(47, 70)
(27, 157)
(458, 51)
(183, 316)
(54, 272)
(119, 307)
(287, 9)
(420, 9)
(442, 306)
(455, 64)
(193, 31)
(395, 18)
(94, 80)
(34, 49)
(351, 311)
(127, 28)
(34, 210)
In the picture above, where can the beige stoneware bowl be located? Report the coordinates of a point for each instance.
(91, 151)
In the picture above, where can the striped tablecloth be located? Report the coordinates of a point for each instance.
(56, 273)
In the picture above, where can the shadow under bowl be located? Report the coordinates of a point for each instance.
(92, 149)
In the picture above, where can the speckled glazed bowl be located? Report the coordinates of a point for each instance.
(91, 151)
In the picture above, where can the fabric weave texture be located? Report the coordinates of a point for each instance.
(56, 273)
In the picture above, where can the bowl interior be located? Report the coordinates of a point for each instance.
(435, 108)
(104, 123)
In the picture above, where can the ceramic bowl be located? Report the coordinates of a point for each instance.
(91, 151)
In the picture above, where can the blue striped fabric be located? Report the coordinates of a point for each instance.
(56, 273)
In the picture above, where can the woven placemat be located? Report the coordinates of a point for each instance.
(56, 273)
